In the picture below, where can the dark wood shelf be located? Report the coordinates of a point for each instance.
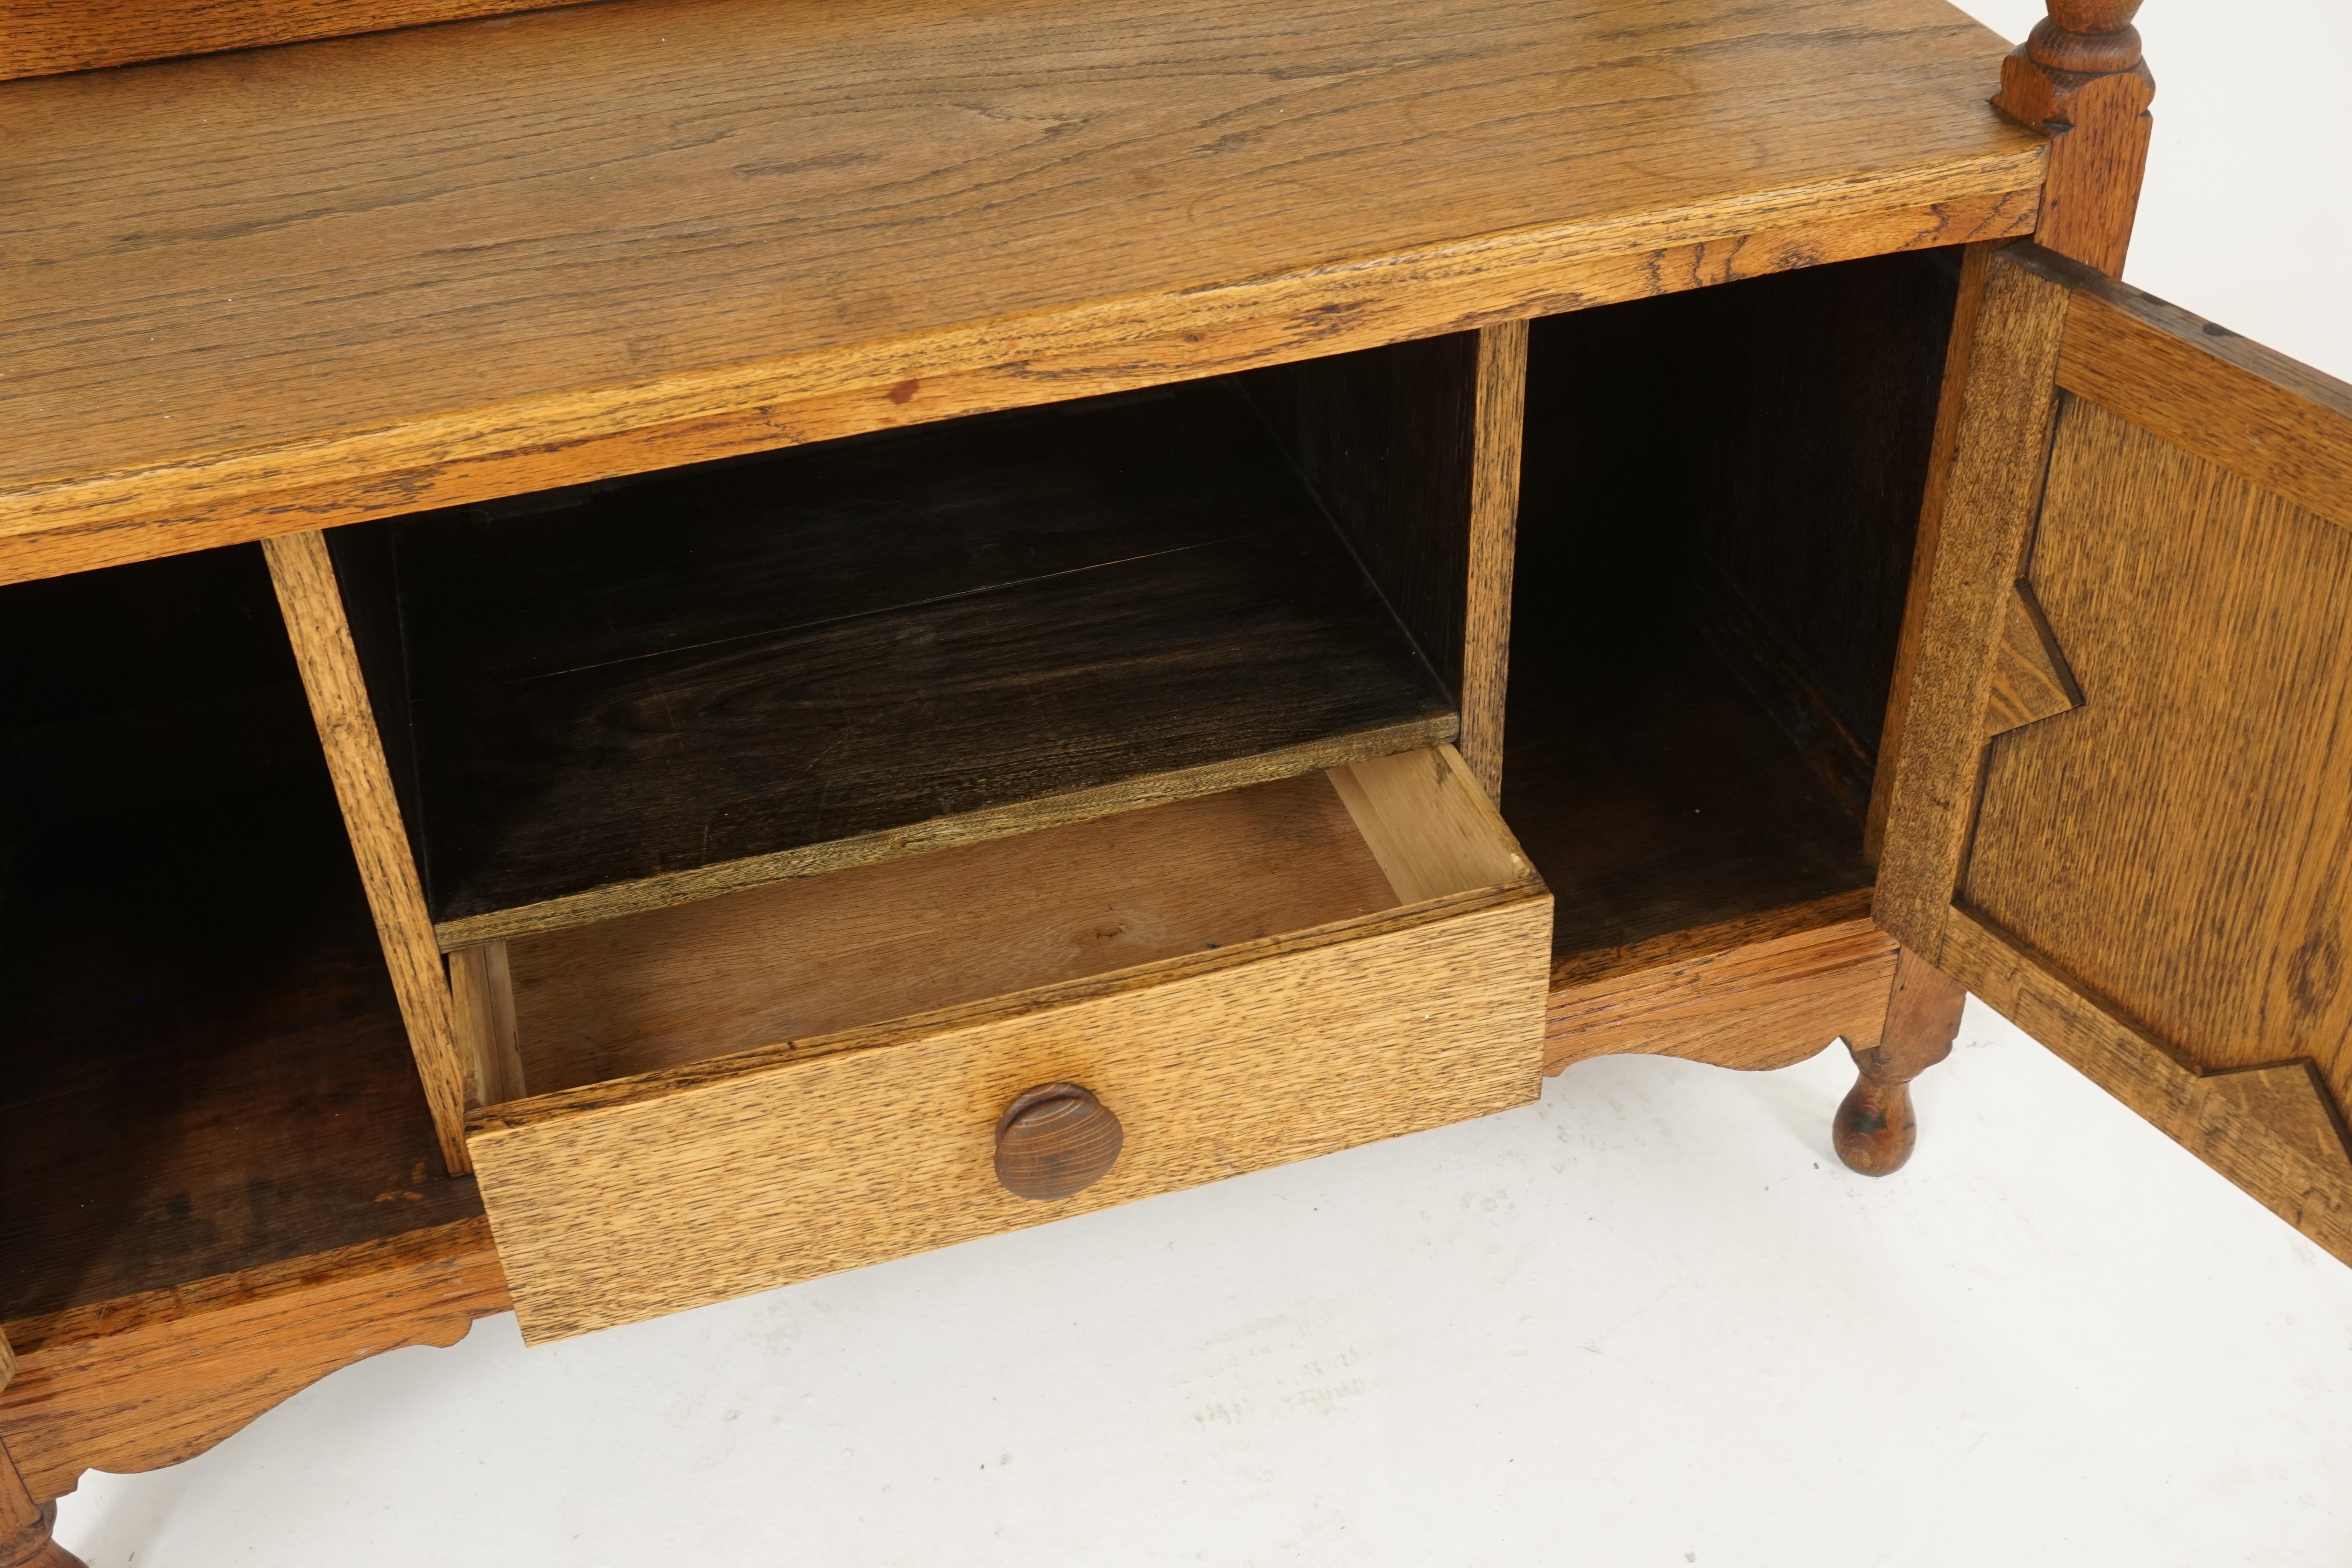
(202, 1068)
(663, 688)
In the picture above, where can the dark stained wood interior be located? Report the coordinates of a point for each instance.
(204, 1069)
(1719, 497)
(650, 676)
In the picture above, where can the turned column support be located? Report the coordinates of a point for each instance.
(25, 1525)
(1876, 1129)
(2079, 78)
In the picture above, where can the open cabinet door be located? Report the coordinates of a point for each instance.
(2122, 806)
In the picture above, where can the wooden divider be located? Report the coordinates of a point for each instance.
(320, 632)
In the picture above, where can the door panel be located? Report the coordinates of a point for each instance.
(2152, 871)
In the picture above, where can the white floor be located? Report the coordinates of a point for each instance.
(1648, 1321)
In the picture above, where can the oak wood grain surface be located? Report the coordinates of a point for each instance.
(819, 1152)
(2269, 1129)
(40, 37)
(304, 576)
(838, 654)
(2003, 383)
(2200, 799)
(150, 1379)
(809, 957)
(253, 292)
(653, 1194)
(1760, 993)
(2031, 680)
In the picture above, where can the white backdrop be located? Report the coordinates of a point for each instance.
(1648, 1321)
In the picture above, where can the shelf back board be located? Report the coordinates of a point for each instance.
(254, 293)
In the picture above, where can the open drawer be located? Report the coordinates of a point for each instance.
(729, 1095)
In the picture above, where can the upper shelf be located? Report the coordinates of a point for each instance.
(250, 292)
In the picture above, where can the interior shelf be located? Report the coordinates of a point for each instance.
(202, 1068)
(661, 689)
(480, 259)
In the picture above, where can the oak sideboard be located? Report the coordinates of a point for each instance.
(652, 648)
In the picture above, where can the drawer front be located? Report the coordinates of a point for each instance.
(653, 1195)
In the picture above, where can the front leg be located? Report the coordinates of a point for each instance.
(25, 1540)
(1875, 1127)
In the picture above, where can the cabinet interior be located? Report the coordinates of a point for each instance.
(1720, 498)
(1190, 602)
(204, 1068)
(653, 688)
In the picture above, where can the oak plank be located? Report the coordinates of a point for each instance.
(1498, 428)
(148, 1380)
(2031, 681)
(648, 1195)
(1987, 496)
(2267, 1128)
(814, 956)
(304, 576)
(602, 239)
(1428, 821)
(1750, 998)
(2264, 416)
(42, 37)
(2201, 800)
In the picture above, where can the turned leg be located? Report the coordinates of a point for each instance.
(24, 1541)
(1875, 1127)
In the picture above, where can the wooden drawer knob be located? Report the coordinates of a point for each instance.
(1054, 1141)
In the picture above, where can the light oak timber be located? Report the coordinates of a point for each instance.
(2180, 846)
(942, 833)
(2171, 857)
(2031, 681)
(2203, 388)
(651, 1192)
(481, 994)
(2079, 76)
(480, 317)
(1430, 823)
(7, 1360)
(2269, 1129)
(1958, 357)
(649, 1196)
(42, 37)
(149, 1379)
(1498, 430)
(1986, 499)
(323, 649)
(817, 956)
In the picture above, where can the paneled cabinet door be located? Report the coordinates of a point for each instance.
(2122, 809)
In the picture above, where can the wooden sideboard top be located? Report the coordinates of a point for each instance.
(250, 292)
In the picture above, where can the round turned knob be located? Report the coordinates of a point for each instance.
(1055, 1140)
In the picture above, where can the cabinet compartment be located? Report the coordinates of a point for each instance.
(204, 1072)
(737, 1093)
(662, 689)
(1721, 493)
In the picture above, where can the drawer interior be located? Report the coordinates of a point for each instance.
(657, 689)
(202, 1067)
(1720, 498)
(803, 960)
